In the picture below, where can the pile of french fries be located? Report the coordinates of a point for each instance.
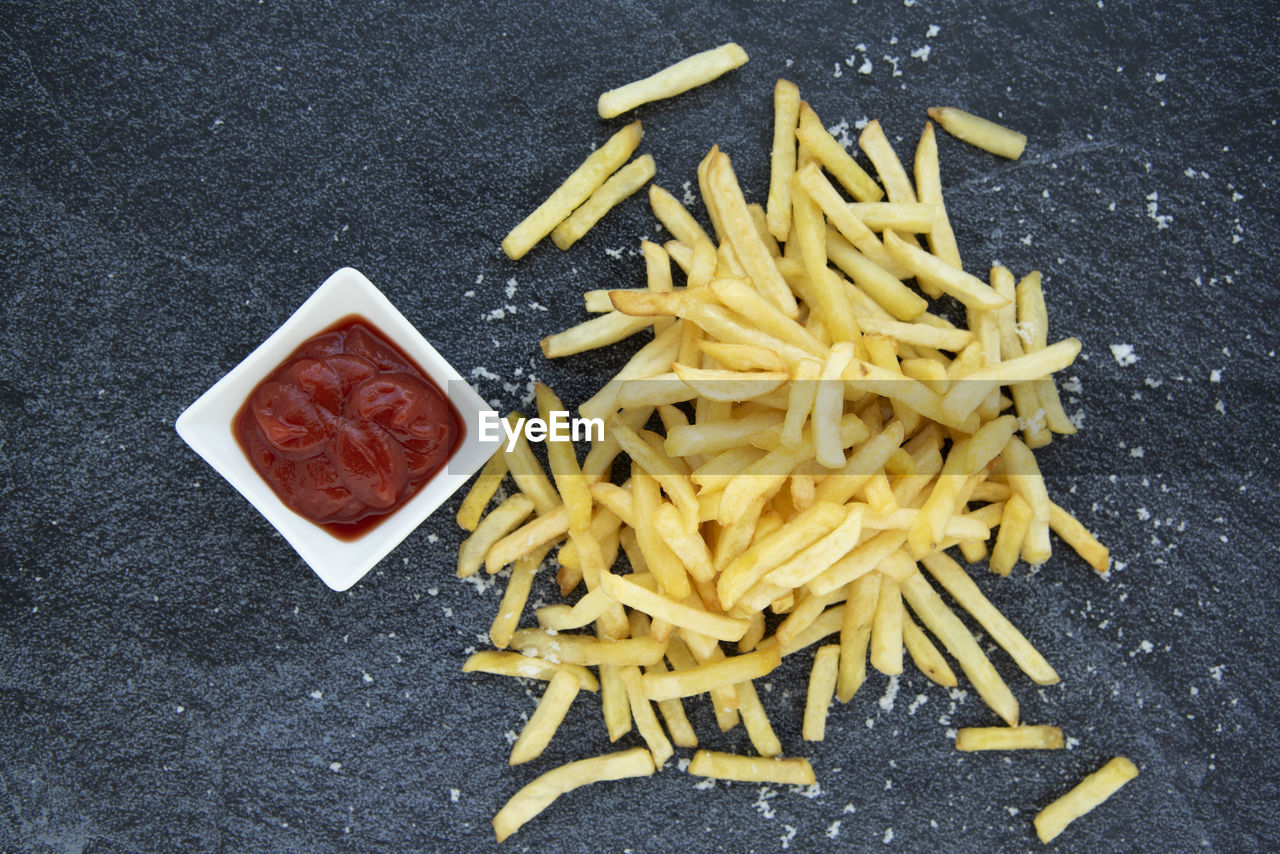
(825, 439)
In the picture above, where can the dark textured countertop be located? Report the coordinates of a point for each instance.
(176, 179)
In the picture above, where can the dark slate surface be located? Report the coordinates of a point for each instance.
(177, 178)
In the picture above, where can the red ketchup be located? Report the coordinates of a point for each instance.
(347, 428)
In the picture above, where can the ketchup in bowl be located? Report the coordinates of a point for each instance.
(347, 429)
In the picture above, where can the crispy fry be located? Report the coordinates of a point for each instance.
(1087, 794)
(546, 719)
(684, 75)
(752, 769)
(1009, 738)
(482, 490)
(980, 132)
(621, 184)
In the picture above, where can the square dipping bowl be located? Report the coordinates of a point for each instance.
(207, 427)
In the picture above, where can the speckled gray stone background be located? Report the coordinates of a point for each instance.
(175, 181)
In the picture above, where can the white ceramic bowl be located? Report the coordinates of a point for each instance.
(206, 426)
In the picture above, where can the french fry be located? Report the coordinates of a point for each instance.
(619, 186)
(584, 180)
(942, 240)
(886, 629)
(587, 651)
(1009, 738)
(745, 240)
(1014, 525)
(831, 154)
(684, 75)
(675, 217)
(752, 769)
(526, 667)
(980, 132)
(482, 490)
(838, 213)
(822, 684)
(615, 706)
(1079, 538)
(541, 531)
(763, 557)
(676, 613)
(543, 790)
(716, 674)
(756, 721)
(782, 161)
(1088, 793)
(925, 655)
(546, 719)
(687, 545)
(971, 291)
(886, 290)
(515, 596)
(646, 721)
(730, 386)
(903, 217)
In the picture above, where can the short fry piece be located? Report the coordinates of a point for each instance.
(543, 790)
(526, 667)
(1079, 538)
(925, 655)
(752, 769)
(598, 166)
(1009, 738)
(822, 684)
(684, 75)
(782, 161)
(505, 517)
(1090, 792)
(980, 132)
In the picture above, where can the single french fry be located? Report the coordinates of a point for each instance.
(942, 240)
(546, 719)
(687, 545)
(954, 340)
(676, 613)
(828, 407)
(1009, 738)
(598, 166)
(543, 790)
(526, 667)
(746, 242)
(970, 290)
(730, 386)
(763, 557)
(902, 217)
(688, 73)
(1013, 531)
(1079, 538)
(886, 629)
(855, 634)
(482, 490)
(811, 181)
(675, 217)
(822, 684)
(925, 655)
(980, 132)
(782, 160)
(831, 154)
(1088, 793)
(515, 596)
(646, 721)
(716, 674)
(527, 472)
(752, 769)
(585, 650)
(886, 290)
(665, 565)
(619, 186)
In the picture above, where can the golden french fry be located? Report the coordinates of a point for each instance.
(942, 240)
(1013, 532)
(743, 237)
(1088, 793)
(822, 685)
(730, 386)
(675, 217)
(831, 154)
(752, 769)
(646, 721)
(515, 596)
(482, 490)
(903, 217)
(716, 674)
(546, 719)
(925, 655)
(585, 650)
(543, 790)
(526, 667)
(782, 161)
(970, 290)
(598, 166)
(980, 132)
(886, 629)
(684, 75)
(1079, 538)
(1009, 738)
(676, 613)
